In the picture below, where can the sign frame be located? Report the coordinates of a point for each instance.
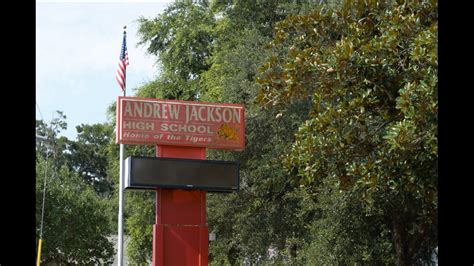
(229, 136)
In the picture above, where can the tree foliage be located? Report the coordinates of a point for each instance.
(75, 229)
(181, 39)
(56, 145)
(140, 207)
(89, 156)
(77, 213)
(370, 71)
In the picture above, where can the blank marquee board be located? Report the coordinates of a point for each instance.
(153, 172)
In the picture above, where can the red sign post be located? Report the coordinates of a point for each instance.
(180, 129)
(180, 232)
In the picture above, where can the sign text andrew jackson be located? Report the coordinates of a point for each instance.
(182, 123)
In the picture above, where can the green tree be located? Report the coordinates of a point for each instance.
(370, 70)
(140, 207)
(139, 214)
(76, 217)
(258, 15)
(342, 232)
(267, 213)
(89, 156)
(180, 37)
(261, 215)
(58, 145)
(75, 229)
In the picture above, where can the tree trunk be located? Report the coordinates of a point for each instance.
(401, 241)
(293, 249)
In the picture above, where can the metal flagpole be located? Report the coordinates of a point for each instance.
(121, 185)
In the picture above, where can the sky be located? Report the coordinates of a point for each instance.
(77, 52)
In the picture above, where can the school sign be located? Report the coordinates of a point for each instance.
(180, 123)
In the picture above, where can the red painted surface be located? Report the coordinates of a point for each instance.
(180, 123)
(180, 232)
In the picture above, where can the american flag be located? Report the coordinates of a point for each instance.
(123, 63)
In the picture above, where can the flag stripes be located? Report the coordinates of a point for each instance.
(123, 63)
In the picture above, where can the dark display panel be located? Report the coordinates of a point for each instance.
(153, 172)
